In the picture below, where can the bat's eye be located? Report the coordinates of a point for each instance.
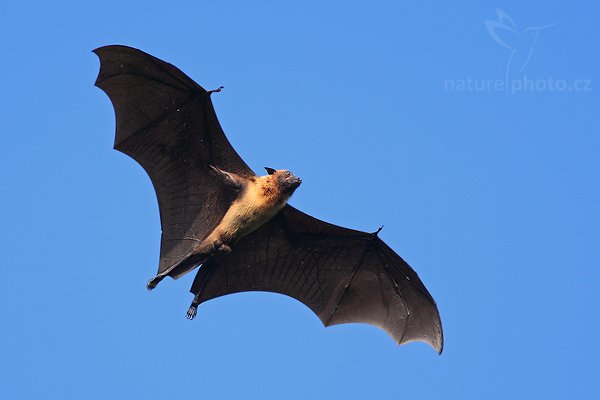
(288, 174)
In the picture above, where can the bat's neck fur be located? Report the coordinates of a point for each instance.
(269, 190)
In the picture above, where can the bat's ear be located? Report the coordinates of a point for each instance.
(270, 171)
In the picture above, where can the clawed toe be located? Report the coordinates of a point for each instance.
(191, 313)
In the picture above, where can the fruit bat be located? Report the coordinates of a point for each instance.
(217, 214)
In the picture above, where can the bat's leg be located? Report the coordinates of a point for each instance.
(190, 261)
(201, 255)
(152, 283)
(191, 313)
(200, 281)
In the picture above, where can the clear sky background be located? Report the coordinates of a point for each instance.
(393, 113)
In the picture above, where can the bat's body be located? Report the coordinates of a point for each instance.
(216, 213)
(258, 200)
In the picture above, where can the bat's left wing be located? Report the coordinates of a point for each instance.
(166, 122)
(342, 275)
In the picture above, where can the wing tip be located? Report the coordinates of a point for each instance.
(436, 341)
(436, 344)
(109, 47)
(439, 347)
(97, 52)
(431, 334)
(100, 53)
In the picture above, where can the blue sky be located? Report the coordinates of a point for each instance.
(485, 174)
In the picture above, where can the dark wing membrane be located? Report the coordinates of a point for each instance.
(342, 275)
(167, 123)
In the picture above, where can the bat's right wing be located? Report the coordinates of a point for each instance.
(166, 122)
(342, 275)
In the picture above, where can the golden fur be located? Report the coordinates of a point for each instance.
(258, 202)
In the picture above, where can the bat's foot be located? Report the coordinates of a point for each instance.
(191, 313)
(152, 283)
(218, 246)
(224, 248)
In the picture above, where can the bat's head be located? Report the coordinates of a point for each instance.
(288, 182)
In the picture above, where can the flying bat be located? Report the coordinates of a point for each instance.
(217, 214)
